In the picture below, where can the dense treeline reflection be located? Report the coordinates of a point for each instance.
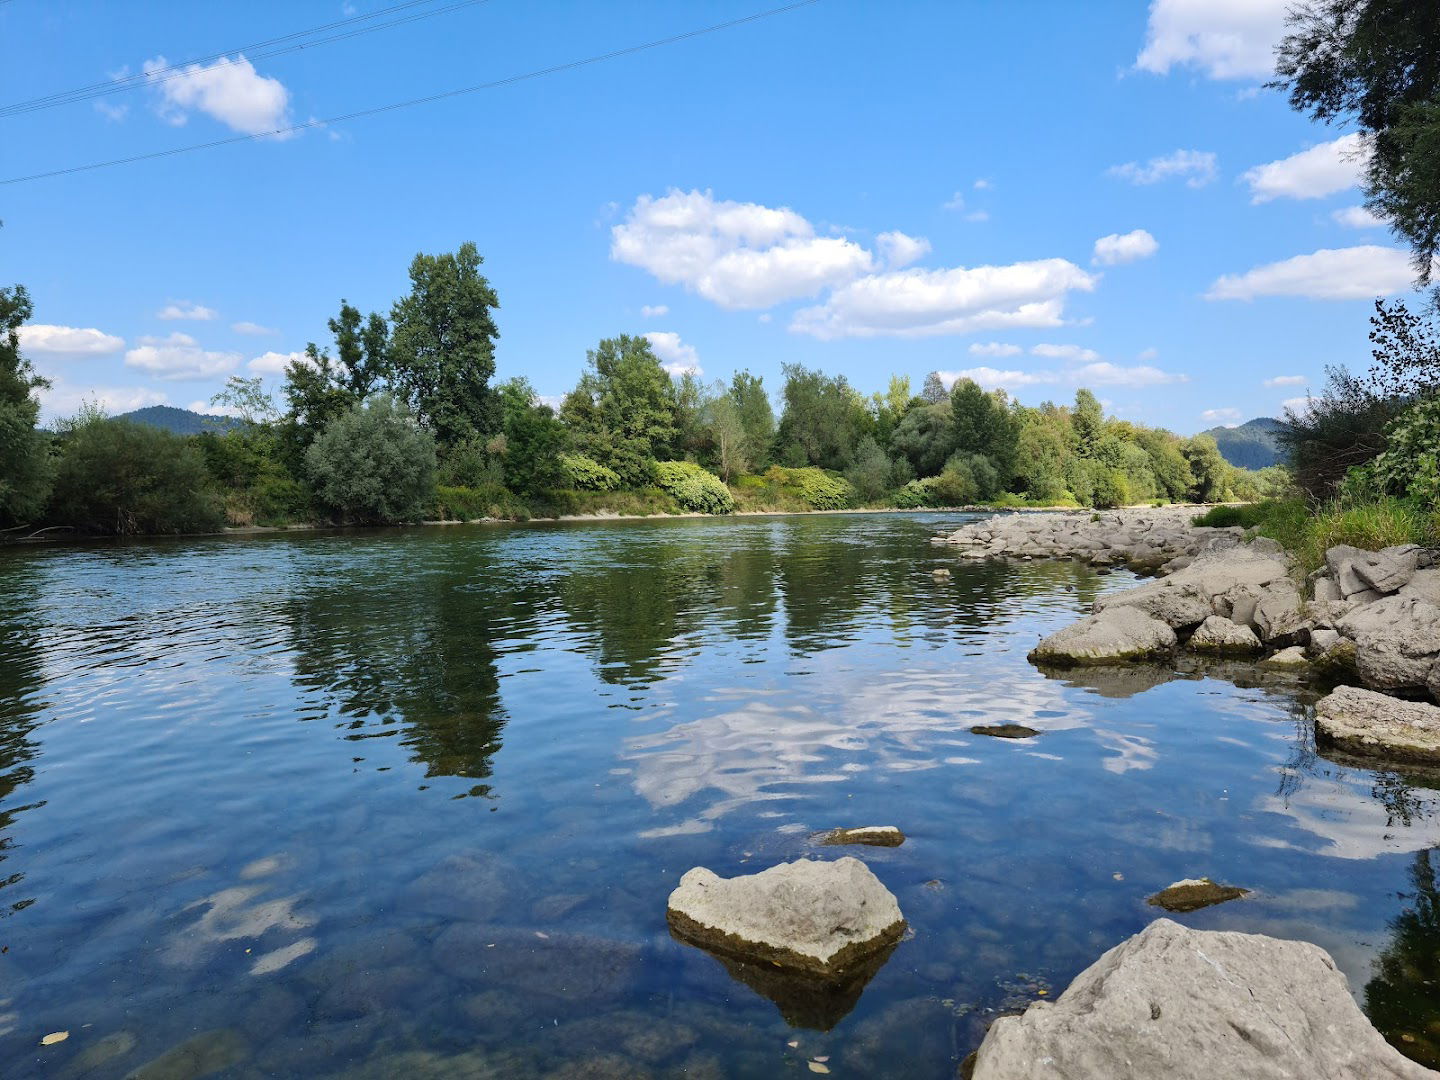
(20, 675)
(1403, 999)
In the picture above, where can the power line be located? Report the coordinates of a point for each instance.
(221, 59)
(361, 113)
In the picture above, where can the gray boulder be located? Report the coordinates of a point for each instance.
(1386, 571)
(1291, 659)
(1218, 636)
(1207, 586)
(1364, 722)
(1178, 1004)
(1424, 585)
(1278, 617)
(821, 918)
(1397, 642)
(1112, 636)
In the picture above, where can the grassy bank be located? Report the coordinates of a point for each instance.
(1308, 531)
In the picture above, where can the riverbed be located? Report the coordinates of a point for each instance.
(410, 802)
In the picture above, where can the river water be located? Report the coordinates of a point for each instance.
(410, 802)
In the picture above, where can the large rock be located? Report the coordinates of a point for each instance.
(1216, 583)
(1424, 585)
(817, 917)
(1386, 571)
(1364, 722)
(1178, 1004)
(1397, 642)
(1111, 636)
(1218, 636)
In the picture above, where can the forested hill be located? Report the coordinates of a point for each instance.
(1252, 445)
(179, 421)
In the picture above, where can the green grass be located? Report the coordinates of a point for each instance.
(1308, 532)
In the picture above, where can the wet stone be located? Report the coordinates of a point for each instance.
(1004, 731)
(869, 835)
(573, 967)
(1192, 894)
(206, 1053)
(460, 887)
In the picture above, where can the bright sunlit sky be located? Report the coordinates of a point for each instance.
(1039, 194)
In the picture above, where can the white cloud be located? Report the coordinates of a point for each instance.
(1296, 404)
(68, 340)
(252, 329)
(1148, 354)
(925, 303)
(1095, 374)
(1358, 217)
(994, 348)
(738, 255)
(113, 113)
(899, 250)
(179, 357)
(654, 311)
(1354, 273)
(231, 91)
(675, 356)
(275, 363)
(1227, 39)
(185, 309)
(956, 203)
(1073, 353)
(1286, 380)
(1220, 416)
(1107, 374)
(1120, 248)
(1197, 166)
(982, 184)
(61, 399)
(993, 379)
(1311, 174)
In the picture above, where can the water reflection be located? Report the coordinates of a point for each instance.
(1403, 999)
(20, 676)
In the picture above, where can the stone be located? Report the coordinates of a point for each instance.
(1192, 894)
(1364, 722)
(816, 917)
(1110, 636)
(1389, 569)
(200, 1055)
(1424, 585)
(1326, 589)
(568, 966)
(459, 887)
(870, 835)
(1278, 618)
(1323, 640)
(1218, 636)
(1397, 642)
(1289, 659)
(1182, 1004)
(1004, 731)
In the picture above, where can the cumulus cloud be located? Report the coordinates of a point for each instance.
(926, 303)
(738, 255)
(1120, 248)
(1358, 217)
(1226, 39)
(1286, 380)
(185, 309)
(1094, 374)
(179, 357)
(252, 329)
(1107, 374)
(899, 250)
(1297, 404)
(676, 357)
(62, 399)
(1228, 417)
(1311, 174)
(1065, 352)
(230, 91)
(275, 363)
(68, 340)
(1355, 273)
(994, 348)
(654, 311)
(1198, 167)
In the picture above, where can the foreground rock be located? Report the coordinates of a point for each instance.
(1112, 636)
(821, 918)
(1004, 731)
(1192, 894)
(1218, 636)
(1367, 723)
(1178, 1004)
(869, 835)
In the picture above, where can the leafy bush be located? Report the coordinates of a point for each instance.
(694, 488)
(128, 479)
(586, 474)
(917, 494)
(374, 464)
(468, 504)
(816, 488)
(1111, 489)
(1409, 464)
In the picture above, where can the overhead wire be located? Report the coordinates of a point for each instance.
(571, 65)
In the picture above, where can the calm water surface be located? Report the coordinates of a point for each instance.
(409, 803)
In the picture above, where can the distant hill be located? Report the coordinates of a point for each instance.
(1252, 445)
(179, 421)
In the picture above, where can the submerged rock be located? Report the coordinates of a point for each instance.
(200, 1055)
(1004, 731)
(817, 917)
(1291, 659)
(1183, 1004)
(1364, 722)
(1111, 636)
(1218, 636)
(1192, 894)
(870, 835)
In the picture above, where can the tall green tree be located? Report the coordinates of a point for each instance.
(1088, 421)
(25, 470)
(727, 433)
(442, 346)
(374, 464)
(984, 425)
(925, 437)
(622, 412)
(934, 389)
(824, 418)
(534, 439)
(756, 416)
(363, 348)
(1376, 64)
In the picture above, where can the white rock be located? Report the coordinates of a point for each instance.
(1178, 1004)
(818, 917)
(1365, 722)
(1424, 585)
(1219, 635)
(1291, 658)
(1397, 642)
(1113, 635)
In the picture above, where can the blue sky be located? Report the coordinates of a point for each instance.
(1040, 194)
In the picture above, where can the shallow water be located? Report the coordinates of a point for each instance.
(410, 802)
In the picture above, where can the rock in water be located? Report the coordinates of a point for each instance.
(1364, 722)
(1111, 636)
(817, 917)
(870, 835)
(1004, 731)
(1183, 1004)
(1192, 894)
(1218, 636)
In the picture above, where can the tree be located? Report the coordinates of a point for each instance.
(374, 464)
(870, 473)
(752, 404)
(1211, 471)
(727, 433)
(622, 412)
(442, 349)
(934, 391)
(363, 350)
(1088, 420)
(890, 407)
(1376, 64)
(926, 437)
(247, 400)
(534, 439)
(823, 417)
(692, 436)
(984, 425)
(25, 469)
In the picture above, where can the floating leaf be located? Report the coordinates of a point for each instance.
(54, 1037)
(816, 1067)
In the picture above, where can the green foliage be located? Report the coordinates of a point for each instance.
(130, 479)
(471, 504)
(824, 417)
(374, 464)
(533, 440)
(1409, 466)
(871, 473)
(815, 488)
(918, 494)
(729, 442)
(1225, 517)
(1110, 489)
(1308, 531)
(1089, 422)
(622, 412)
(583, 474)
(925, 437)
(984, 425)
(25, 467)
(1210, 470)
(694, 488)
(757, 418)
